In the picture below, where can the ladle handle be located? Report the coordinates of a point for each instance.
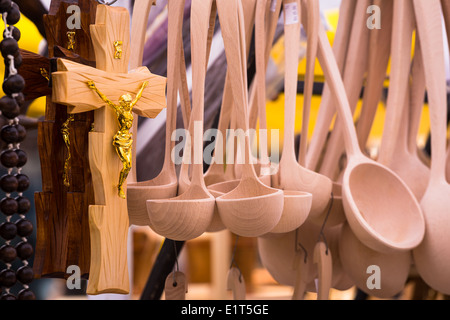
(399, 78)
(323, 260)
(417, 97)
(353, 77)
(313, 12)
(138, 28)
(327, 111)
(292, 44)
(428, 17)
(332, 74)
(379, 54)
(201, 12)
(233, 33)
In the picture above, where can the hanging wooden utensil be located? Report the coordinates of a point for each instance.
(366, 184)
(432, 256)
(166, 183)
(188, 215)
(252, 208)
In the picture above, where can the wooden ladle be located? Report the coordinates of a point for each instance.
(251, 209)
(385, 226)
(291, 175)
(432, 256)
(188, 216)
(166, 183)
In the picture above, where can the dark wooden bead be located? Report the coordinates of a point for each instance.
(9, 46)
(9, 183)
(24, 250)
(8, 230)
(7, 278)
(9, 158)
(13, 84)
(26, 294)
(16, 34)
(24, 182)
(22, 132)
(8, 296)
(8, 253)
(25, 274)
(5, 5)
(9, 107)
(20, 98)
(24, 227)
(9, 206)
(9, 134)
(24, 205)
(22, 158)
(13, 14)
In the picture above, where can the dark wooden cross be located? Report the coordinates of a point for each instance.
(62, 211)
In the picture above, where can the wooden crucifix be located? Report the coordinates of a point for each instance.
(112, 92)
(62, 206)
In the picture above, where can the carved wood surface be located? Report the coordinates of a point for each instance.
(62, 212)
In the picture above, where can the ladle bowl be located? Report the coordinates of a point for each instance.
(393, 268)
(296, 208)
(184, 217)
(139, 192)
(382, 212)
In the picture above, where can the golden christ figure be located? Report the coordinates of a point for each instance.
(123, 138)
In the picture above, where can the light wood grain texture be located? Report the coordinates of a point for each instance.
(109, 216)
(432, 256)
(366, 184)
(176, 286)
(353, 78)
(139, 22)
(313, 12)
(236, 284)
(188, 216)
(340, 47)
(302, 270)
(379, 54)
(323, 261)
(356, 258)
(165, 184)
(292, 176)
(252, 208)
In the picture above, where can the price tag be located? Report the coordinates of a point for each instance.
(291, 13)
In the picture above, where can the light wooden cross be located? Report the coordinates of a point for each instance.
(108, 218)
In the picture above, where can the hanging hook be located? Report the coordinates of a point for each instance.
(322, 234)
(298, 244)
(106, 3)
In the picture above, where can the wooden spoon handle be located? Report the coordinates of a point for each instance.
(291, 9)
(326, 111)
(302, 272)
(428, 17)
(138, 28)
(398, 84)
(379, 54)
(313, 12)
(416, 97)
(353, 77)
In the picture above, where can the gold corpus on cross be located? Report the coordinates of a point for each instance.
(66, 136)
(122, 140)
(71, 37)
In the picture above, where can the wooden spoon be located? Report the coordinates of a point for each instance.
(251, 209)
(325, 116)
(432, 256)
(385, 226)
(291, 175)
(188, 216)
(166, 183)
